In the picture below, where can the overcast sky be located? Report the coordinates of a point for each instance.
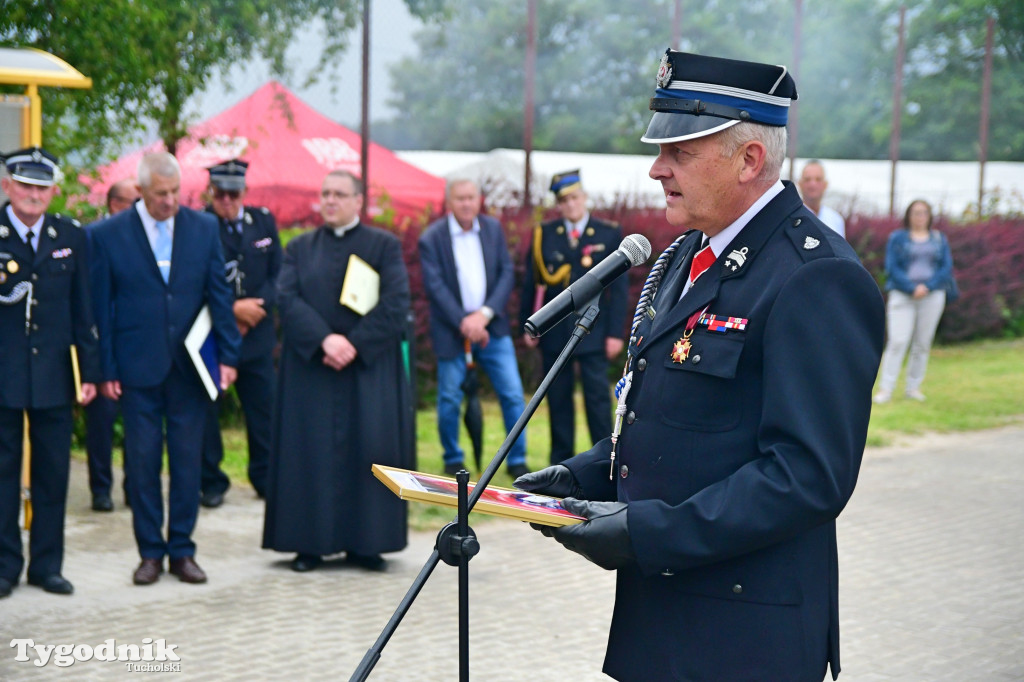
(391, 29)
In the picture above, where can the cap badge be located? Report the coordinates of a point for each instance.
(736, 259)
(810, 243)
(664, 71)
(37, 157)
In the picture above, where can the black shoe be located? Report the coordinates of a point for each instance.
(102, 503)
(371, 562)
(55, 584)
(517, 470)
(454, 468)
(5, 587)
(212, 500)
(304, 563)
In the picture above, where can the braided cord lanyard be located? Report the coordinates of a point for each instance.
(21, 290)
(646, 296)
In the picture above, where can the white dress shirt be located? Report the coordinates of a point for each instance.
(469, 264)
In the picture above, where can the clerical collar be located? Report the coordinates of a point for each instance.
(340, 231)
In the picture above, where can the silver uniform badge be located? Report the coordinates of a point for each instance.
(736, 259)
(248, 218)
(810, 243)
(4, 232)
(52, 233)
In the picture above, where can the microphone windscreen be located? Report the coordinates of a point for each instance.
(637, 248)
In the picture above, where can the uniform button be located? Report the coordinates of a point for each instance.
(796, 223)
(737, 589)
(241, 258)
(696, 359)
(35, 351)
(34, 277)
(624, 471)
(35, 302)
(641, 364)
(631, 417)
(668, 573)
(35, 327)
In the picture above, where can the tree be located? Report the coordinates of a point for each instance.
(945, 64)
(148, 57)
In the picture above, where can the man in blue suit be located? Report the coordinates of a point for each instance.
(468, 276)
(153, 269)
(745, 404)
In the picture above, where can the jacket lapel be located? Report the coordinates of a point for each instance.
(44, 247)
(13, 242)
(137, 234)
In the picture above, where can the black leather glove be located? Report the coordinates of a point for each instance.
(555, 481)
(603, 538)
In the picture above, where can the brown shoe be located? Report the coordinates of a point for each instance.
(148, 572)
(187, 570)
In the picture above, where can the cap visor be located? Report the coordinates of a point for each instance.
(32, 179)
(666, 128)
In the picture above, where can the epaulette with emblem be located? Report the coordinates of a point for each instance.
(66, 219)
(808, 239)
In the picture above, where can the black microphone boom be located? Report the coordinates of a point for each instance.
(634, 250)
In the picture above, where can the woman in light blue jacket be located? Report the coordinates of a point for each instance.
(919, 272)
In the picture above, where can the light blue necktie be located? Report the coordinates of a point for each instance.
(162, 249)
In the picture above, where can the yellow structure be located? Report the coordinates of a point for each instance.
(34, 69)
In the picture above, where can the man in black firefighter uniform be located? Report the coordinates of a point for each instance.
(562, 251)
(252, 255)
(45, 320)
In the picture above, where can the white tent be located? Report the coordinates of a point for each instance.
(854, 186)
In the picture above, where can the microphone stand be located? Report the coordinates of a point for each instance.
(456, 543)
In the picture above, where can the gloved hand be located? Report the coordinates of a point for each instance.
(555, 481)
(603, 538)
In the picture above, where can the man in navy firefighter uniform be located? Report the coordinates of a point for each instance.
(252, 252)
(561, 251)
(45, 310)
(745, 404)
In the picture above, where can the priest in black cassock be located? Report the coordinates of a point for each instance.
(343, 394)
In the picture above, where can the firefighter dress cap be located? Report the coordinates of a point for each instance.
(229, 175)
(565, 183)
(698, 96)
(33, 166)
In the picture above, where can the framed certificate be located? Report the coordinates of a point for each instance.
(507, 502)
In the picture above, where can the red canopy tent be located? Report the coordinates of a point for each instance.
(289, 147)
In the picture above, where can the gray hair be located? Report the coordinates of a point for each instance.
(773, 137)
(157, 163)
(455, 182)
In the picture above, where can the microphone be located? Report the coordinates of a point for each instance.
(634, 250)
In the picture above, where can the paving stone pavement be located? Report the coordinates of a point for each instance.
(930, 571)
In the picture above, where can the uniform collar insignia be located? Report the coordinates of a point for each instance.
(735, 260)
(4, 232)
(51, 232)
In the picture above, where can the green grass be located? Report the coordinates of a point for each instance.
(969, 387)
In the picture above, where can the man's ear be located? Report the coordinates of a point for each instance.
(752, 155)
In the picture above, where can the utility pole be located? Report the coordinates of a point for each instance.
(986, 97)
(531, 59)
(897, 109)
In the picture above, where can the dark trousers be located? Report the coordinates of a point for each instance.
(50, 438)
(182, 403)
(596, 400)
(100, 416)
(255, 387)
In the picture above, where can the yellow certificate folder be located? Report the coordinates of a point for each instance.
(507, 502)
(361, 289)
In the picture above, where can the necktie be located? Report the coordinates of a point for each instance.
(704, 259)
(28, 240)
(162, 249)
